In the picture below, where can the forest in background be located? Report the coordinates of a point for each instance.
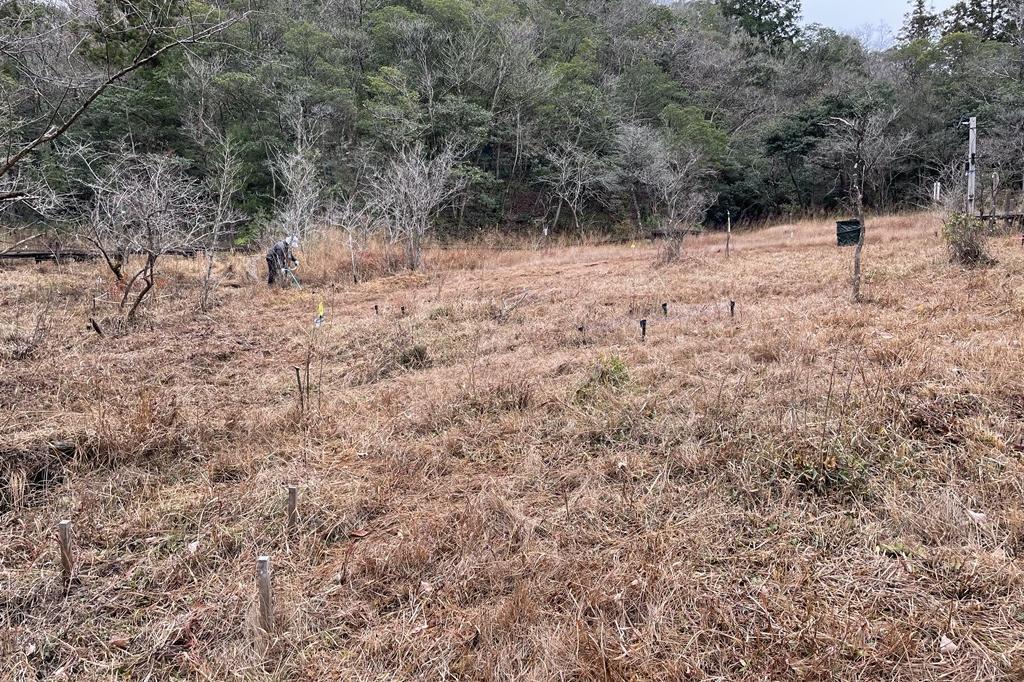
(518, 115)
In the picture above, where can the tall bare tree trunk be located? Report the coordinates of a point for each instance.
(558, 213)
(352, 252)
(636, 208)
(858, 206)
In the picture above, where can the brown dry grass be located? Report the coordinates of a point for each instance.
(488, 493)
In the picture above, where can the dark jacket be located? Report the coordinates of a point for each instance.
(279, 257)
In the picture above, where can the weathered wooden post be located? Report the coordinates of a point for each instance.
(643, 330)
(664, 309)
(728, 231)
(376, 309)
(265, 596)
(732, 308)
(64, 541)
(293, 501)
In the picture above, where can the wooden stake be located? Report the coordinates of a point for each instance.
(376, 309)
(664, 309)
(643, 330)
(732, 308)
(266, 602)
(293, 499)
(728, 232)
(64, 541)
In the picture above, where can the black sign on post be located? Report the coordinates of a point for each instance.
(848, 232)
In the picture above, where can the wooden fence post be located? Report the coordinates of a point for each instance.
(728, 232)
(266, 601)
(293, 499)
(64, 540)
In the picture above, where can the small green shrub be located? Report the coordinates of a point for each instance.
(609, 373)
(965, 238)
(415, 357)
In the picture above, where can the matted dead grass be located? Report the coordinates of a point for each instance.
(505, 483)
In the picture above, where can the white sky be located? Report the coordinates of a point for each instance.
(852, 15)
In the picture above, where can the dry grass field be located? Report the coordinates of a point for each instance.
(808, 490)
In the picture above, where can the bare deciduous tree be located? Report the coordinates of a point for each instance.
(408, 192)
(225, 184)
(867, 148)
(577, 176)
(684, 200)
(144, 205)
(300, 212)
(353, 217)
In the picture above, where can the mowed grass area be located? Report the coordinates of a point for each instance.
(810, 490)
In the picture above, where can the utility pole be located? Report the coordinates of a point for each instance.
(972, 167)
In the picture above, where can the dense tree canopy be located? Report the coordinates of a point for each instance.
(563, 114)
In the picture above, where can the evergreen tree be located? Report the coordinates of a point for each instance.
(920, 24)
(987, 19)
(776, 22)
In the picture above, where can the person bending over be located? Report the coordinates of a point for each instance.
(280, 256)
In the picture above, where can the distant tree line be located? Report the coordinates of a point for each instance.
(518, 115)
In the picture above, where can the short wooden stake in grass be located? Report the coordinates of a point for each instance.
(293, 501)
(64, 541)
(664, 309)
(376, 309)
(266, 601)
(643, 330)
(732, 308)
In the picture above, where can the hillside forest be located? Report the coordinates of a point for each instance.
(457, 117)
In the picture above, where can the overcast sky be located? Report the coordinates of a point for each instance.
(851, 16)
